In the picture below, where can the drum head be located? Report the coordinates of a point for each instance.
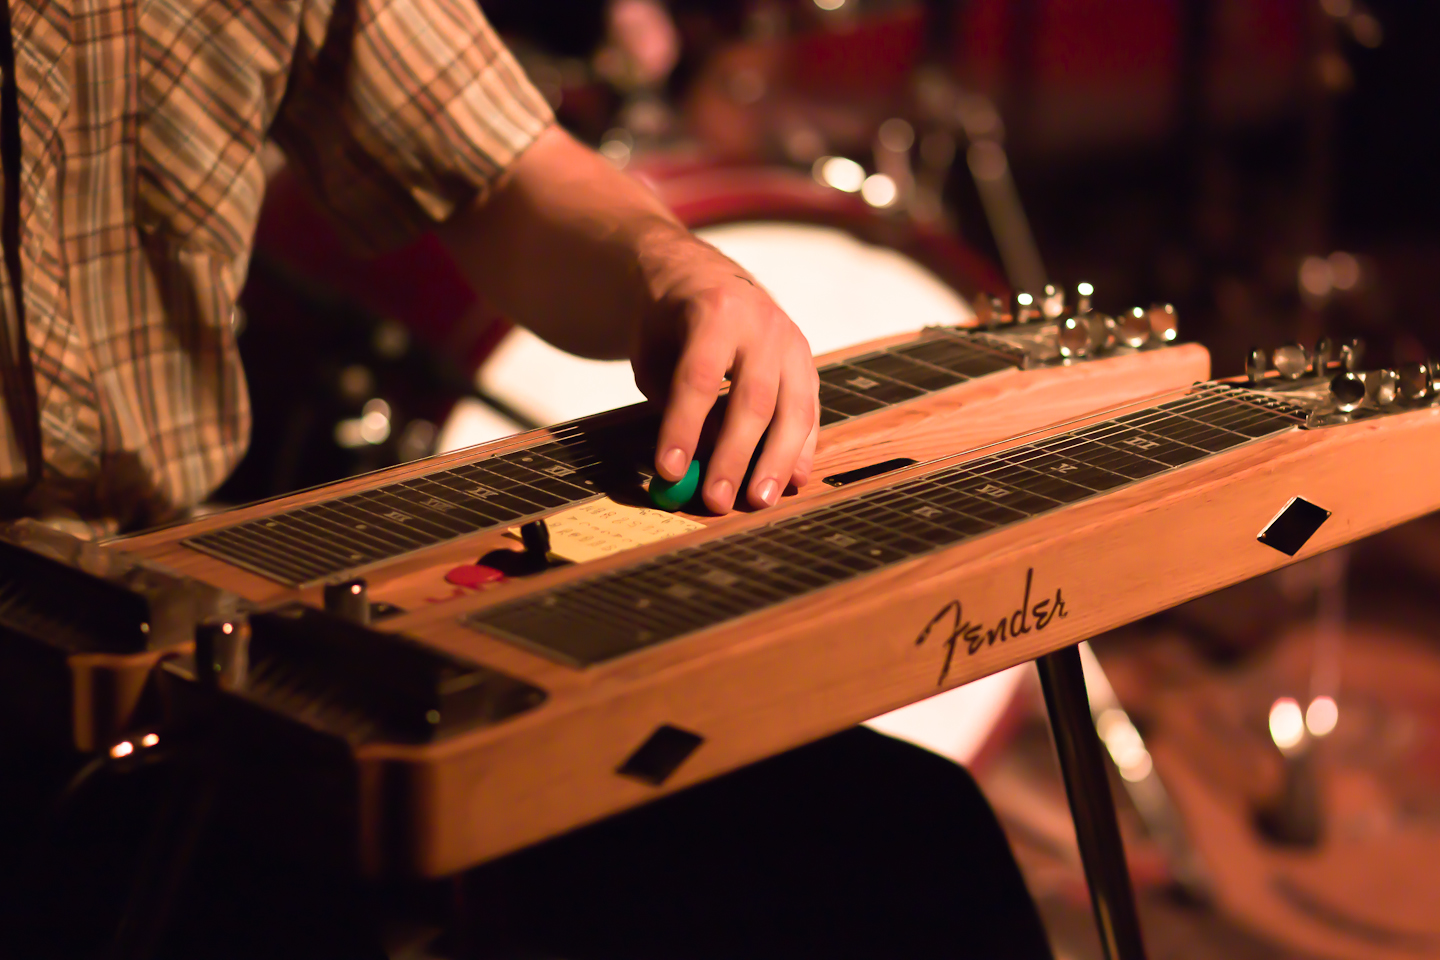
(838, 289)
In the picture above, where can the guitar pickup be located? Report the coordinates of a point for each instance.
(865, 473)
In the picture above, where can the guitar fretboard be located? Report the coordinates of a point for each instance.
(351, 533)
(592, 620)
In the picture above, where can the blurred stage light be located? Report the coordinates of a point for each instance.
(1287, 726)
(1316, 277)
(1322, 716)
(896, 135)
(829, 4)
(842, 173)
(1344, 271)
(879, 190)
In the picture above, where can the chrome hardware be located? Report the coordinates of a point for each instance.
(1291, 361)
(1052, 302)
(1348, 391)
(1082, 297)
(1102, 332)
(991, 311)
(1352, 354)
(1415, 382)
(1380, 386)
(1026, 310)
(348, 600)
(1133, 328)
(1164, 324)
(1324, 356)
(1074, 337)
(222, 652)
(1256, 365)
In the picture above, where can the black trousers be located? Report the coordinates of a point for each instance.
(854, 846)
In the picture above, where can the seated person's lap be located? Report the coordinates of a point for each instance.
(854, 846)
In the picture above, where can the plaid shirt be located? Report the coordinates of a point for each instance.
(141, 125)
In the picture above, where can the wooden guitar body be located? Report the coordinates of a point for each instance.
(1007, 393)
(617, 730)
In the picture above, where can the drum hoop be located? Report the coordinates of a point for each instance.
(705, 197)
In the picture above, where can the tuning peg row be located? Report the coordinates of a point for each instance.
(1085, 331)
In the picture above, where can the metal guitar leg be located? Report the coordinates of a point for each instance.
(1087, 785)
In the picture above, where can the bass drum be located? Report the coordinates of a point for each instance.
(845, 272)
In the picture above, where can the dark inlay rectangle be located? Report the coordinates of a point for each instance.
(865, 473)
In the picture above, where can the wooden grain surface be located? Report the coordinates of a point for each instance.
(962, 417)
(769, 681)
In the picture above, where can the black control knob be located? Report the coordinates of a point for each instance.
(349, 600)
(1348, 391)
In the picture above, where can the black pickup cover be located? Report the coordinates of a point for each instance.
(366, 685)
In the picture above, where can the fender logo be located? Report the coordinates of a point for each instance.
(951, 624)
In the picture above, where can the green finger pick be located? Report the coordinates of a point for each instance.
(672, 496)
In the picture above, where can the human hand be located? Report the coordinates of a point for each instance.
(711, 321)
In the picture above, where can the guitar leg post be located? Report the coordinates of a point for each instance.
(1087, 785)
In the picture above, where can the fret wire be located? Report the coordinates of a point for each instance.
(882, 522)
(452, 507)
(297, 546)
(365, 512)
(240, 543)
(395, 509)
(661, 578)
(315, 526)
(328, 513)
(608, 599)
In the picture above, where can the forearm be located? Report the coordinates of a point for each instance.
(564, 246)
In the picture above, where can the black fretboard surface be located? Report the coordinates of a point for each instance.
(599, 618)
(348, 534)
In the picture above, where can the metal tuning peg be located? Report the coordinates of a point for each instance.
(1352, 354)
(1164, 324)
(222, 652)
(1347, 389)
(348, 600)
(991, 311)
(1083, 292)
(1052, 302)
(1291, 361)
(1074, 337)
(1324, 356)
(1132, 328)
(1102, 332)
(1256, 364)
(1026, 309)
(1415, 382)
(1381, 386)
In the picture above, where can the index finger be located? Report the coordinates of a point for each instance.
(699, 374)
